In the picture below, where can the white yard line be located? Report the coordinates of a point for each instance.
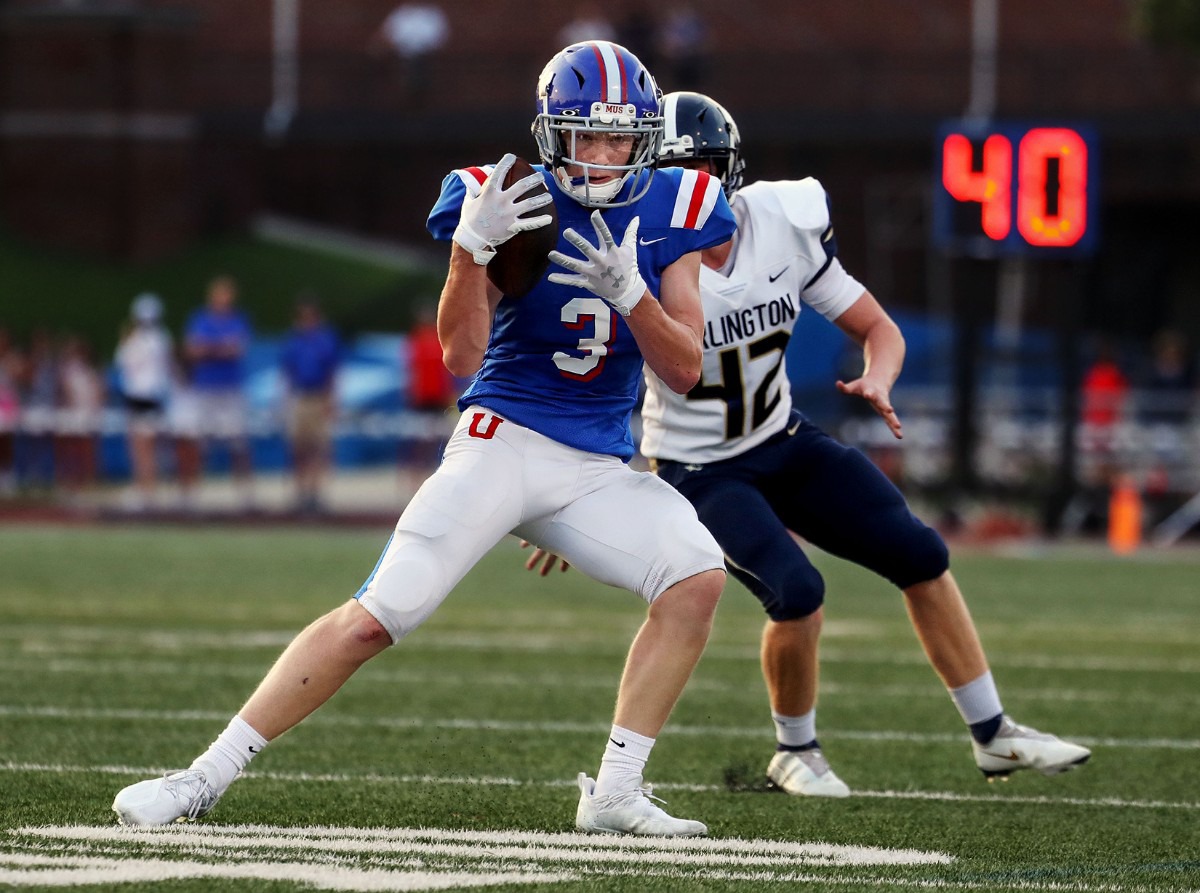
(555, 847)
(57, 641)
(501, 781)
(227, 670)
(568, 728)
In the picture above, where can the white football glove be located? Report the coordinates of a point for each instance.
(610, 271)
(492, 216)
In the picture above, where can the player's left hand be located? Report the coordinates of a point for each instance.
(547, 560)
(609, 271)
(880, 399)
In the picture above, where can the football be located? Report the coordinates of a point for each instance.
(521, 261)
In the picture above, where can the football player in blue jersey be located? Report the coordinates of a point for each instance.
(758, 471)
(542, 445)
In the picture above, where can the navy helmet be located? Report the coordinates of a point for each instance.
(698, 127)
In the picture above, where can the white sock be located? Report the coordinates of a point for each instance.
(229, 754)
(795, 731)
(978, 700)
(624, 760)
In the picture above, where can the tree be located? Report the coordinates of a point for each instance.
(1170, 23)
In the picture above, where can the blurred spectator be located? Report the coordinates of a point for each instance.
(589, 24)
(1105, 388)
(144, 368)
(683, 43)
(1171, 383)
(309, 361)
(412, 33)
(432, 390)
(214, 406)
(10, 412)
(81, 401)
(37, 387)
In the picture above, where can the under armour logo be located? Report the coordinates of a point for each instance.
(610, 274)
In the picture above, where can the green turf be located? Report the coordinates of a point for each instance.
(123, 651)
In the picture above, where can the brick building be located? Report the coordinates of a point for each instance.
(127, 128)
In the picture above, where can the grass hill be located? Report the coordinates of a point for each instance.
(361, 287)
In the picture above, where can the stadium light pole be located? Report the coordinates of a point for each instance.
(981, 107)
(285, 68)
(985, 31)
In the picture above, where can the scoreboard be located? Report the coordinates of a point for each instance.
(1011, 189)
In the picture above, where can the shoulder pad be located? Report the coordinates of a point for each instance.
(802, 203)
(695, 199)
(473, 178)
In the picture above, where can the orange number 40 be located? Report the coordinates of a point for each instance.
(1051, 173)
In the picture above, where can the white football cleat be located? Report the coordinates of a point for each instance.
(180, 796)
(628, 812)
(1020, 747)
(805, 773)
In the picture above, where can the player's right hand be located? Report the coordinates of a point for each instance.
(879, 397)
(547, 560)
(607, 270)
(492, 216)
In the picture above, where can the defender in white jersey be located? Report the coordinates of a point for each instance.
(757, 471)
(542, 446)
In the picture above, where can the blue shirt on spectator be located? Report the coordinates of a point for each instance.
(310, 358)
(213, 331)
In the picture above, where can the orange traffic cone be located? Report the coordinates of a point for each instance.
(1124, 516)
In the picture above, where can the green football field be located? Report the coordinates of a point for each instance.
(450, 761)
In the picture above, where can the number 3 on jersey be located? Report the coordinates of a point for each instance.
(584, 314)
(732, 388)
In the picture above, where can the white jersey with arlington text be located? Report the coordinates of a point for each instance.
(784, 255)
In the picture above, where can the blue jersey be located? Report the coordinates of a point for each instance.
(559, 359)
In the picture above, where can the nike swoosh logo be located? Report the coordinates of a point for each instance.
(1008, 756)
(780, 273)
(651, 241)
(828, 235)
(253, 749)
(616, 742)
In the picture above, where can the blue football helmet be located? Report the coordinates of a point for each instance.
(598, 87)
(699, 127)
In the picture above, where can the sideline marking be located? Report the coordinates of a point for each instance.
(45, 871)
(329, 857)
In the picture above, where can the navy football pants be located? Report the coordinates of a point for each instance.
(803, 480)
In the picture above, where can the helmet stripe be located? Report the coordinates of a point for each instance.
(670, 131)
(624, 79)
(612, 71)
